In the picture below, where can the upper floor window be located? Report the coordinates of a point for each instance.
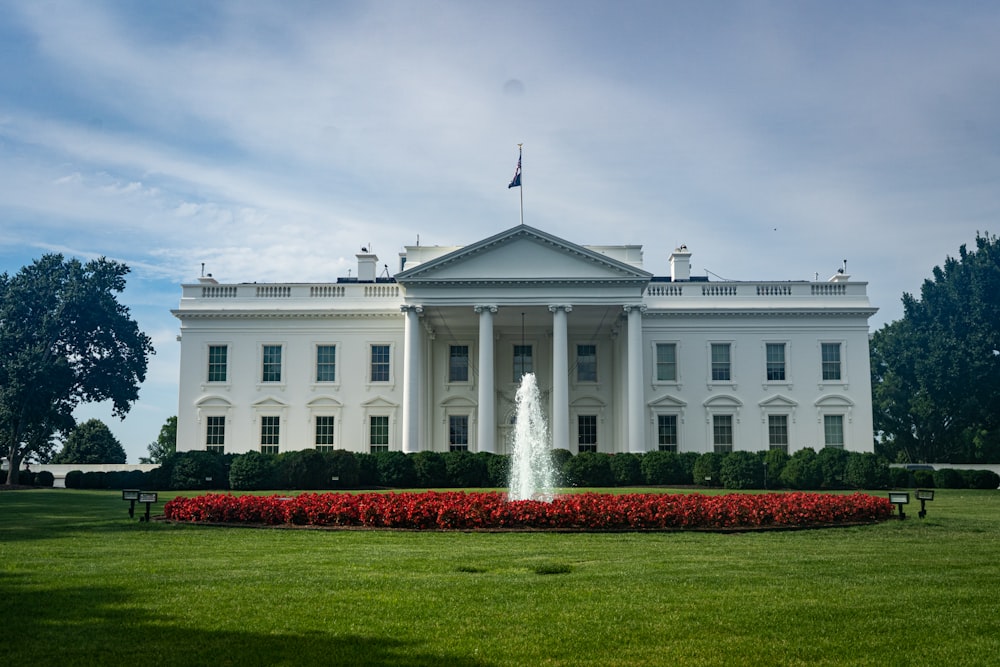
(458, 363)
(218, 363)
(666, 362)
(775, 353)
(721, 363)
(586, 428)
(326, 363)
(523, 362)
(271, 363)
(831, 361)
(586, 363)
(380, 363)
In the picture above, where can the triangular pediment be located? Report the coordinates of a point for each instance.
(523, 254)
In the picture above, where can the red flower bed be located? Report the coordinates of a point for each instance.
(488, 511)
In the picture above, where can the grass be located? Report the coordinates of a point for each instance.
(81, 584)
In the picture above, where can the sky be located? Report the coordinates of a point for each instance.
(270, 141)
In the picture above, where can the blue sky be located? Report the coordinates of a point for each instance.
(271, 140)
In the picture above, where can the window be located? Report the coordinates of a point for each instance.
(458, 433)
(666, 433)
(586, 363)
(777, 432)
(324, 433)
(380, 363)
(326, 363)
(721, 371)
(775, 353)
(218, 363)
(522, 361)
(831, 361)
(722, 433)
(666, 362)
(271, 366)
(586, 429)
(833, 430)
(458, 363)
(378, 433)
(215, 434)
(270, 434)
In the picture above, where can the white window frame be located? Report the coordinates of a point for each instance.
(731, 382)
(282, 366)
(205, 418)
(842, 382)
(391, 381)
(337, 370)
(597, 364)
(468, 360)
(655, 375)
(229, 363)
(787, 382)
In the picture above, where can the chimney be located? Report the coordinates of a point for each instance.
(367, 263)
(680, 264)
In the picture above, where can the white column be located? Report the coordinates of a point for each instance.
(636, 425)
(486, 427)
(412, 369)
(560, 378)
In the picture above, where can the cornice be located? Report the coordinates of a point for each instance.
(282, 315)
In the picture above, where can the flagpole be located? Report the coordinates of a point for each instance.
(521, 188)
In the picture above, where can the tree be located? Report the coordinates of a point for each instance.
(64, 340)
(91, 442)
(164, 445)
(936, 372)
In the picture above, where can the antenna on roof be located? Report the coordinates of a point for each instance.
(203, 269)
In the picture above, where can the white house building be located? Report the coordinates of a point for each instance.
(430, 359)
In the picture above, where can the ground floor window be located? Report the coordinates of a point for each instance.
(215, 434)
(777, 432)
(666, 433)
(833, 430)
(270, 434)
(324, 432)
(586, 433)
(458, 433)
(378, 433)
(722, 433)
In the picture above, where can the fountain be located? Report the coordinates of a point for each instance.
(532, 475)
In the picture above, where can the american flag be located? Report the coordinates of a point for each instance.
(516, 181)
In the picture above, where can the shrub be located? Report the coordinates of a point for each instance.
(367, 469)
(775, 460)
(74, 479)
(343, 465)
(706, 469)
(899, 478)
(44, 478)
(464, 469)
(832, 462)
(395, 469)
(867, 471)
(802, 470)
(948, 478)
(251, 472)
(497, 469)
(924, 478)
(430, 469)
(198, 470)
(588, 469)
(742, 470)
(94, 480)
(981, 479)
(25, 478)
(302, 469)
(626, 469)
(687, 461)
(559, 458)
(662, 468)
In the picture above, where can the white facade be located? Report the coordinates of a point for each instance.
(430, 359)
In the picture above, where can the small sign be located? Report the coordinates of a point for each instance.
(147, 497)
(130, 494)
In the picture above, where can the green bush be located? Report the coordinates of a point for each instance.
(44, 478)
(832, 462)
(662, 469)
(74, 479)
(923, 478)
(252, 471)
(465, 469)
(430, 469)
(497, 469)
(707, 469)
(867, 471)
(899, 478)
(25, 478)
(687, 462)
(343, 465)
(367, 470)
(94, 480)
(302, 469)
(742, 470)
(395, 469)
(776, 460)
(949, 478)
(802, 470)
(626, 469)
(559, 458)
(198, 470)
(588, 469)
(981, 479)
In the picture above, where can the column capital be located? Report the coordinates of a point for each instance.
(641, 307)
(484, 307)
(566, 307)
(411, 308)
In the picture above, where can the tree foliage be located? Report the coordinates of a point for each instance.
(936, 372)
(91, 442)
(165, 443)
(64, 340)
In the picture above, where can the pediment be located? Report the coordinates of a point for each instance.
(778, 401)
(379, 402)
(723, 401)
(270, 402)
(668, 401)
(522, 254)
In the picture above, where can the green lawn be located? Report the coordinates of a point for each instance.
(81, 583)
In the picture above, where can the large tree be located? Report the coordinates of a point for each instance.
(165, 444)
(64, 340)
(936, 372)
(91, 442)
